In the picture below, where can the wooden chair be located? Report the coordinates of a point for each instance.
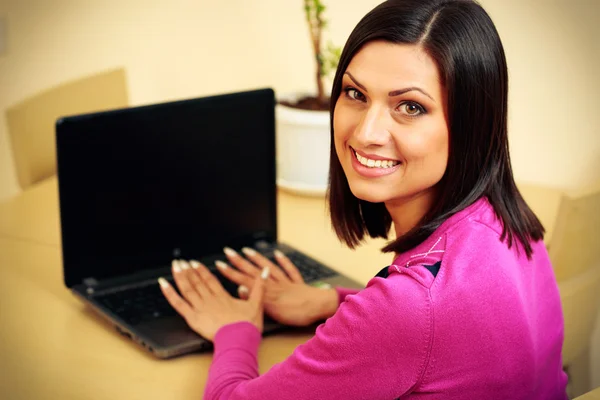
(575, 253)
(31, 122)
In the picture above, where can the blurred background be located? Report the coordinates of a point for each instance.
(181, 49)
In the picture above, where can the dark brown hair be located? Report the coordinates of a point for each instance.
(460, 36)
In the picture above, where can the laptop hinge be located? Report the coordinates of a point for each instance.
(90, 284)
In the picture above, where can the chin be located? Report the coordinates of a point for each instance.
(367, 192)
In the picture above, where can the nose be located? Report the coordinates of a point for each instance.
(373, 127)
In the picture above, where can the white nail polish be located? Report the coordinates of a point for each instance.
(195, 264)
(243, 289)
(230, 252)
(163, 282)
(278, 254)
(249, 252)
(176, 266)
(184, 264)
(265, 273)
(221, 265)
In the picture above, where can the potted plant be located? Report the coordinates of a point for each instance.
(303, 119)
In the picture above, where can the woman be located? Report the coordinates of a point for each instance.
(469, 308)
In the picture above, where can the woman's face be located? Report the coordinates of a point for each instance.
(390, 127)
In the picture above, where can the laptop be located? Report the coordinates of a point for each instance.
(141, 186)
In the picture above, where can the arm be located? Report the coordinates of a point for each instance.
(375, 346)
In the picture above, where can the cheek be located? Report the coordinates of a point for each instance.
(340, 122)
(429, 151)
(342, 127)
(438, 158)
(442, 149)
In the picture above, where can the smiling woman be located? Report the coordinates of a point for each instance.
(391, 110)
(469, 308)
(438, 99)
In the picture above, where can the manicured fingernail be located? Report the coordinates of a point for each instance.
(195, 264)
(230, 252)
(249, 252)
(243, 289)
(184, 264)
(278, 254)
(163, 282)
(221, 265)
(176, 267)
(265, 273)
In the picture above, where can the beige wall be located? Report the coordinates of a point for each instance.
(186, 48)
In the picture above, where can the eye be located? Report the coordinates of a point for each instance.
(354, 94)
(411, 108)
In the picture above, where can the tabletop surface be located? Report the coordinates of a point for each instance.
(57, 347)
(53, 346)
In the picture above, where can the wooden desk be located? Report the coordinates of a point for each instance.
(51, 346)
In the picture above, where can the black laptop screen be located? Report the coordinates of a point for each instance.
(143, 185)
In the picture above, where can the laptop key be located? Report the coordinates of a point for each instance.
(139, 304)
(309, 269)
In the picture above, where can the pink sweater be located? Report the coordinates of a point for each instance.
(461, 316)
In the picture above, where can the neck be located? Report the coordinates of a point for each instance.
(407, 212)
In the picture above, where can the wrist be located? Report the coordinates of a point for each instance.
(327, 303)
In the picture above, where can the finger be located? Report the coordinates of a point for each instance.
(263, 262)
(288, 267)
(258, 290)
(179, 304)
(243, 292)
(195, 280)
(189, 292)
(208, 279)
(241, 263)
(234, 275)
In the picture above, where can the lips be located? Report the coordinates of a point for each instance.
(374, 161)
(360, 164)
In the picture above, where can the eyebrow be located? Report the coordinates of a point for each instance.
(393, 92)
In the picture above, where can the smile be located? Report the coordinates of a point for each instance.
(369, 163)
(371, 168)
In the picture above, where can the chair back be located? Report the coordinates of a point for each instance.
(31, 123)
(575, 255)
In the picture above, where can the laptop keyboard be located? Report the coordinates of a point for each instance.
(138, 304)
(309, 269)
(143, 303)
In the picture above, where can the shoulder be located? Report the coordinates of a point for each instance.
(474, 231)
(388, 302)
(468, 242)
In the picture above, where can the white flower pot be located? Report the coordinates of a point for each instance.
(302, 150)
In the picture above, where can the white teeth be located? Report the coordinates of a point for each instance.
(375, 163)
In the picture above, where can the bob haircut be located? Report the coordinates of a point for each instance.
(461, 38)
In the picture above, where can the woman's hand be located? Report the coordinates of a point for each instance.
(205, 304)
(287, 298)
